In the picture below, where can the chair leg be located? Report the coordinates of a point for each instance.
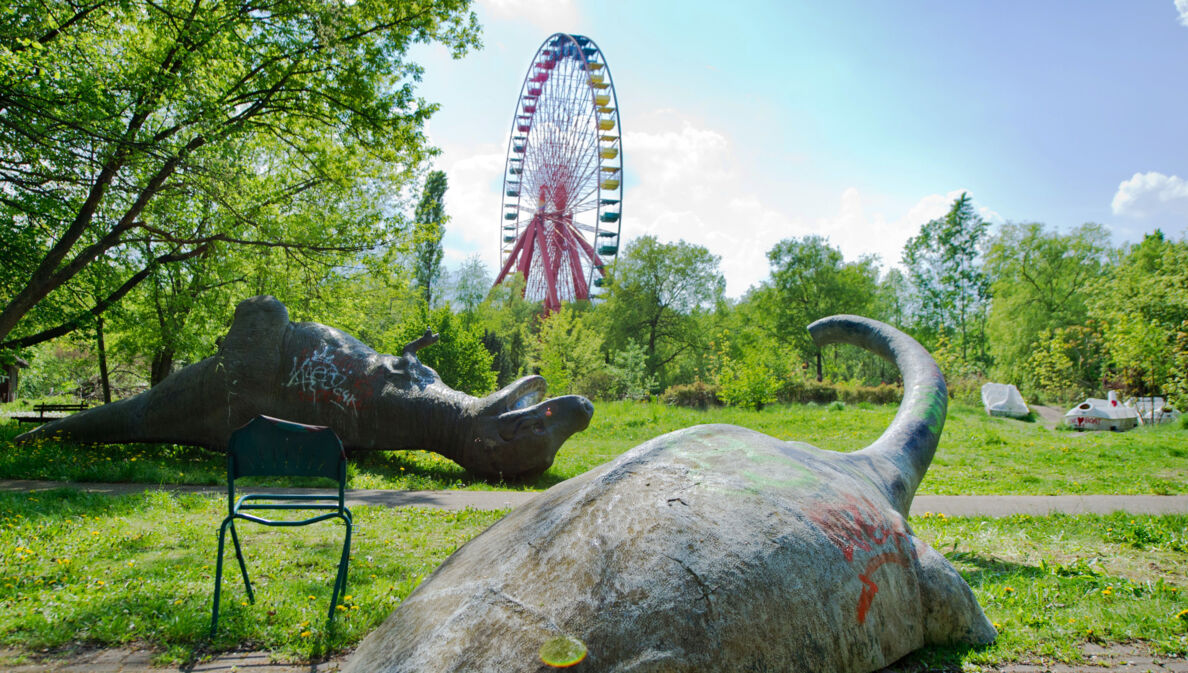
(340, 579)
(242, 567)
(214, 615)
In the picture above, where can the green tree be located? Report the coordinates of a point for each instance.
(427, 232)
(568, 352)
(471, 284)
(657, 295)
(952, 291)
(1141, 308)
(1067, 363)
(1041, 281)
(627, 373)
(809, 281)
(297, 119)
(509, 323)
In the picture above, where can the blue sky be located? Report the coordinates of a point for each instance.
(748, 122)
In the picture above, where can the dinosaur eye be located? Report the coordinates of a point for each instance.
(538, 428)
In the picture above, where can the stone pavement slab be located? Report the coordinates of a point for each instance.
(131, 660)
(950, 505)
(1098, 659)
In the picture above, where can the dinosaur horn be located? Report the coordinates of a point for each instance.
(901, 455)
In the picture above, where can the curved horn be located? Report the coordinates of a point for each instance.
(901, 455)
(426, 339)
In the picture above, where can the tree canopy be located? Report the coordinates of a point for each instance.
(134, 135)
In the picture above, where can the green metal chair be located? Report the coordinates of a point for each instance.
(271, 447)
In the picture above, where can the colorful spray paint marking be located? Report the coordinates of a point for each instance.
(867, 538)
(321, 376)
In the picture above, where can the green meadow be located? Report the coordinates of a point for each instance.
(83, 570)
(977, 454)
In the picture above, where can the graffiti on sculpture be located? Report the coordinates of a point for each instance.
(317, 377)
(857, 525)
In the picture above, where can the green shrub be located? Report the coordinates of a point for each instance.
(746, 383)
(801, 391)
(628, 373)
(805, 391)
(967, 389)
(880, 394)
(458, 357)
(837, 405)
(698, 395)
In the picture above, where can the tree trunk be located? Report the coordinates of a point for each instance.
(162, 366)
(103, 377)
(820, 377)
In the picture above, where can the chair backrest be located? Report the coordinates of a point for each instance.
(271, 447)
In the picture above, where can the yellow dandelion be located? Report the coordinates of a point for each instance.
(340, 607)
(347, 598)
(304, 624)
(177, 602)
(243, 602)
(305, 634)
(1107, 591)
(312, 597)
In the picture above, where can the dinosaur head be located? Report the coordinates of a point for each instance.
(516, 433)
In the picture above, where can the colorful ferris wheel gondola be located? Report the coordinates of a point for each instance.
(563, 177)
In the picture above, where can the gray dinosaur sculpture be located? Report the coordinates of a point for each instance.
(711, 549)
(311, 373)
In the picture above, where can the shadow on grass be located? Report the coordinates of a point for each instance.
(61, 460)
(423, 470)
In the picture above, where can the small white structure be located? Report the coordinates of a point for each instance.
(1153, 410)
(1098, 414)
(1003, 399)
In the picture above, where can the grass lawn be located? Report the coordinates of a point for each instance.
(94, 570)
(80, 569)
(977, 455)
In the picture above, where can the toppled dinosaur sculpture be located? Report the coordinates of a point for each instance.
(314, 374)
(711, 549)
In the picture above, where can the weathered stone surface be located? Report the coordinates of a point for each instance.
(713, 548)
(311, 373)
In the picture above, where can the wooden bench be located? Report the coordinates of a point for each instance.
(43, 409)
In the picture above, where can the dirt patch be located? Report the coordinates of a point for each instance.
(1050, 417)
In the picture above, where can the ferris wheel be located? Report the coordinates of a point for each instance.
(562, 181)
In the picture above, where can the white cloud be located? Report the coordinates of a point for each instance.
(472, 202)
(550, 15)
(1182, 8)
(1152, 194)
(857, 233)
(684, 182)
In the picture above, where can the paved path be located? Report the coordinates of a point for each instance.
(950, 505)
(1115, 658)
(1129, 658)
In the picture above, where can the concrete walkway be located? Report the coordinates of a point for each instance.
(1098, 659)
(949, 505)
